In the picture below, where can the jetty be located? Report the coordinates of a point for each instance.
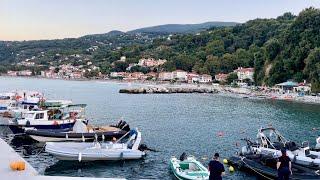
(167, 90)
(8, 155)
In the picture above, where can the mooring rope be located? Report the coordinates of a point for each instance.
(256, 170)
(41, 150)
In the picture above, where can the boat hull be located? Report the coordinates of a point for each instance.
(73, 151)
(253, 166)
(51, 136)
(16, 129)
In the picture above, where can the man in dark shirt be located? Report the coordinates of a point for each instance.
(216, 168)
(284, 166)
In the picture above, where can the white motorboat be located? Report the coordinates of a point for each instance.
(105, 151)
(270, 141)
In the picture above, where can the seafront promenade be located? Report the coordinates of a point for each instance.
(8, 155)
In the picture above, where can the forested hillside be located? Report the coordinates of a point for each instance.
(287, 47)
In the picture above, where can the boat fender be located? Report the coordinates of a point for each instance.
(225, 161)
(83, 140)
(67, 136)
(80, 157)
(96, 137)
(121, 156)
(55, 123)
(103, 138)
(28, 123)
(231, 169)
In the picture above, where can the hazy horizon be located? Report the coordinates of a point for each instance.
(45, 19)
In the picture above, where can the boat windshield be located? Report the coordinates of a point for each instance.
(29, 115)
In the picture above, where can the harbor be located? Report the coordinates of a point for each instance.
(193, 114)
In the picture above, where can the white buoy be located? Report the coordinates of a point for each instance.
(80, 157)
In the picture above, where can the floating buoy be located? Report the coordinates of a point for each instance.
(225, 161)
(231, 169)
(220, 134)
(18, 166)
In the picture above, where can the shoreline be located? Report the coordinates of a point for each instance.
(234, 92)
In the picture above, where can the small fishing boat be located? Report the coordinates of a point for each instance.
(188, 168)
(270, 141)
(25, 105)
(265, 166)
(54, 119)
(105, 151)
(80, 132)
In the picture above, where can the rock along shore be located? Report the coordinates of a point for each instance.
(166, 90)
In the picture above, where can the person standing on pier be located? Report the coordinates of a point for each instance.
(216, 168)
(284, 166)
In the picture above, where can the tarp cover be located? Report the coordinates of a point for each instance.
(80, 127)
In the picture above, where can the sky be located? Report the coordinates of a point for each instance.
(55, 19)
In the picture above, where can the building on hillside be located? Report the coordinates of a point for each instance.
(179, 75)
(244, 73)
(192, 77)
(123, 58)
(118, 74)
(25, 73)
(134, 76)
(221, 77)
(149, 76)
(303, 88)
(287, 86)
(165, 76)
(150, 62)
(76, 75)
(205, 78)
(12, 73)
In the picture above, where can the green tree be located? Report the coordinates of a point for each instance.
(232, 77)
(312, 69)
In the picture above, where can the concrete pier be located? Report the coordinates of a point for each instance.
(8, 155)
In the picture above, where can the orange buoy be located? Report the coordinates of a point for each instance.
(18, 165)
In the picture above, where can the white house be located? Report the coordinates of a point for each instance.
(244, 73)
(179, 75)
(205, 78)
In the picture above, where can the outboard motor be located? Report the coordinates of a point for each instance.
(124, 126)
(119, 123)
(183, 156)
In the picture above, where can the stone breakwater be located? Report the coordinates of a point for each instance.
(166, 90)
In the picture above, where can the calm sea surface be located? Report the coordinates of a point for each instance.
(170, 123)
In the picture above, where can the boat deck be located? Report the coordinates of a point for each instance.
(8, 155)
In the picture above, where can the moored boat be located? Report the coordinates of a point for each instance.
(54, 119)
(265, 166)
(105, 151)
(80, 132)
(270, 141)
(188, 168)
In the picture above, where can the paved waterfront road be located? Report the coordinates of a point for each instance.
(170, 123)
